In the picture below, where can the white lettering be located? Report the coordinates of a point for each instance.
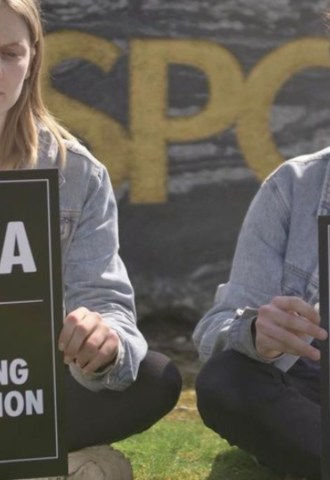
(4, 372)
(16, 239)
(14, 404)
(17, 371)
(34, 401)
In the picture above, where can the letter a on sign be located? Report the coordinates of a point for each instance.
(16, 237)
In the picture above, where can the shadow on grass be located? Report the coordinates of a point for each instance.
(238, 465)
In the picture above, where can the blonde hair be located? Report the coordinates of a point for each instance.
(19, 140)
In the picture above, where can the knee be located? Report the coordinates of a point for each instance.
(210, 387)
(172, 384)
(164, 378)
(221, 387)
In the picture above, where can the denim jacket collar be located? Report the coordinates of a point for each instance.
(48, 154)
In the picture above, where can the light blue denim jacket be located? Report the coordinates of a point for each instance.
(94, 276)
(276, 254)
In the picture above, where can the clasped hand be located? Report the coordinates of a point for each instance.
(283, 325)
(86, 340)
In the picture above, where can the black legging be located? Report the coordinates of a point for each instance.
(108, 416)
(273, 415)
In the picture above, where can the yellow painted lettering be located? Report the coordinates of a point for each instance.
(263, 84)
(108, 140)
(152, 128)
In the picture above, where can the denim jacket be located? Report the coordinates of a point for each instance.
(94, 276)
(276, 254)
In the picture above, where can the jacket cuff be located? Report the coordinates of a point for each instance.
(111, 367)
(241, 335)
(102, 378)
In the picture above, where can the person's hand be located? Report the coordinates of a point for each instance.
(86, 340)
(283, 325)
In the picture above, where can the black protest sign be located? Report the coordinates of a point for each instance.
(31, 370)
(324, 285)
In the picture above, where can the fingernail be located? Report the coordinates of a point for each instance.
(61, 347)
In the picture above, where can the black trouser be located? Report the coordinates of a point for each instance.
(273, 415)
(108, 416)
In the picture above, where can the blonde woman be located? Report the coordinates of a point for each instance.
(110, 376)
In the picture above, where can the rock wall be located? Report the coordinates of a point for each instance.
(190, 103)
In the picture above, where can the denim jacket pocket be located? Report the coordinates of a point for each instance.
(68, 223)
(298, 282)
(65, 226)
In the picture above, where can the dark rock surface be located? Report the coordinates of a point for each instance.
(177, 252)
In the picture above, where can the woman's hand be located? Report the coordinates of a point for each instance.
(87, 340)
(283, 325)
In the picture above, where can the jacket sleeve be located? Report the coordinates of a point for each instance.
(96, 278)
(255, 277)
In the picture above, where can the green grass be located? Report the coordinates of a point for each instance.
(180, 447)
